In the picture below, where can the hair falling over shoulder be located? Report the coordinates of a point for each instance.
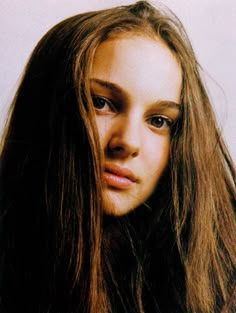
(176, 253)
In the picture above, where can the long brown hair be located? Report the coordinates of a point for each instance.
(56, 242)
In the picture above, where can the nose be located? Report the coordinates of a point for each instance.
(125, 138)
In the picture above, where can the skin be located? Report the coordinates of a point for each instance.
(136, 84)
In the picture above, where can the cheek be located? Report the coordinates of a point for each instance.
(157, 154)
(103, 130)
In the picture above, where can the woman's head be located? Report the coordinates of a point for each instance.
(135, 86)
(57, 84)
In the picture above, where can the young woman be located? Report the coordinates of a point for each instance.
(117, 192)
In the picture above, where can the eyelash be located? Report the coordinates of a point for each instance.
(100, 103)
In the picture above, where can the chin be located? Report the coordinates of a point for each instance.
(115, 205)
(117, 211)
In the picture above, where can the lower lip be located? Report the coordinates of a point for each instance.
(118, 182)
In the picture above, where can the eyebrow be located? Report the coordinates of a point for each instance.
(108, 85)
(116, 88)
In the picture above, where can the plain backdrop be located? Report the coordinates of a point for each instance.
(210, 24)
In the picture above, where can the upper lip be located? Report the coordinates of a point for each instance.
(120, 171)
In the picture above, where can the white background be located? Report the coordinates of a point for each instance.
(210, 24)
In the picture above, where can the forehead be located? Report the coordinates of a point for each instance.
(136, 47)
(138, 63)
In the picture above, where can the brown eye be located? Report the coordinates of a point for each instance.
(102, 104)
(159, 121)
(99, 102)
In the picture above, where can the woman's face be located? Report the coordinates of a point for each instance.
(135, 84)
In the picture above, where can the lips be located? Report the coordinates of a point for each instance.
(118, 177)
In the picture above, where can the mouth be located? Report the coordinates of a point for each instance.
(118, 177)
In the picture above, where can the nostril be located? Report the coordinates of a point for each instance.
(134, 154)
(118, 148)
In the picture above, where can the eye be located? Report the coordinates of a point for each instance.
(159, 121)
(102, 104)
